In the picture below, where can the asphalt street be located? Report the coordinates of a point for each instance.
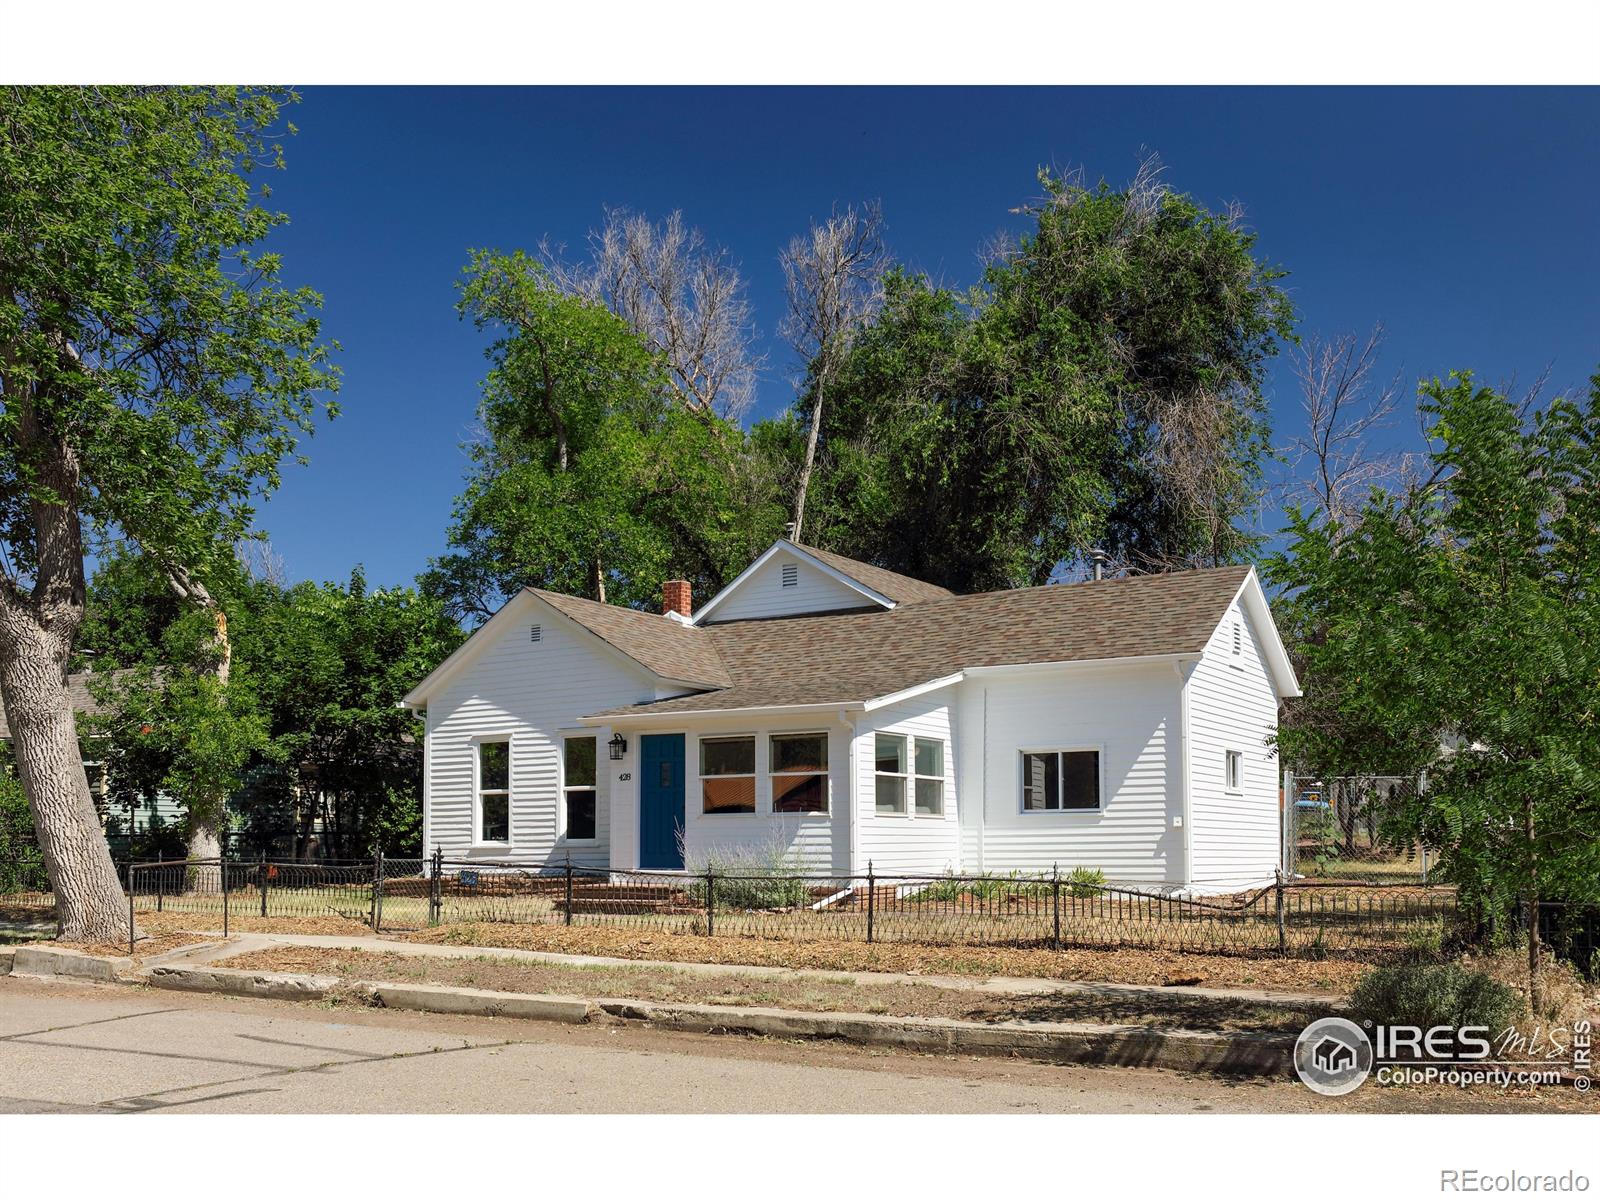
(78, 1047)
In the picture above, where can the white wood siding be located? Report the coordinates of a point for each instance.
(534, 693)
(1132, 714)
(763, 593)
(908, 844)
(1232, 706)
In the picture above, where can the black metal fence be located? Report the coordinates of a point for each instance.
(1051, 911)
(1300, 919)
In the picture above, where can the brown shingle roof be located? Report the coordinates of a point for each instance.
(77, 695)
(902, 589)
(657, 643)
(849, 657)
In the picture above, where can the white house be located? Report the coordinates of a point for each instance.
(853, 714)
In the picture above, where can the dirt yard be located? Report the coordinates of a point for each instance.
(826, 994)
(1164, 968)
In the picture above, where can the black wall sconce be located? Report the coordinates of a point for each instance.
(619, 747)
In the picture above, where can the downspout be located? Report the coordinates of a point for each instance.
(1185, 762)
(853, 788)
(983, 789)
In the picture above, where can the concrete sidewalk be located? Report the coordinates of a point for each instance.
(218, 952)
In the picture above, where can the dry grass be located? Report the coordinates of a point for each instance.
(808, 994)
(1140, 966)
(167, 922)
(145, 947)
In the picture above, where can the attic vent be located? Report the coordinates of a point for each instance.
(535, 633)
(1238, 640)
(791, 575)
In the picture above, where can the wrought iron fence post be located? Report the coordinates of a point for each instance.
(436, 887)
(377, 892)
(263, 868)
(1055, 906)
(130, 910)
(711, 900)
(222, 878)
(569, 889)
(160, 880)
(872, 900)
(1283, 929)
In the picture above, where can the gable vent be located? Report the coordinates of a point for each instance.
(1238, 639)
(535, 633)
(791, 575)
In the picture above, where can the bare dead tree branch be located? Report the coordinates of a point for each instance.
(684, 296)
(1332, 459)
(833, 276)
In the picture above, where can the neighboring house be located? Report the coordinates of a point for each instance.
(124, 819)
(854, 715)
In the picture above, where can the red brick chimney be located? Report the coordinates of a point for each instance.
(675, 597)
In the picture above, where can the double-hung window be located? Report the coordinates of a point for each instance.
(799, 769)
(1060, 780)
(889, 772)
(494, 791)
(928, 761)
(578, 787)
(728, 775)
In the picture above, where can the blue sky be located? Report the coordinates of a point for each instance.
(1463, 219)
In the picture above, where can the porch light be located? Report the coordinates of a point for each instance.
(619, 747)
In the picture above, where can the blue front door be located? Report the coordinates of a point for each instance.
(660, 801)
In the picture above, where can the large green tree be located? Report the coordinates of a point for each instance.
(1102, 385)
(154, 373)
(592, 476)
(1465, 611)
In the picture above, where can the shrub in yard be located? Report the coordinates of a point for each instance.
(1429, 994)
(1086, 882)
(758, 876)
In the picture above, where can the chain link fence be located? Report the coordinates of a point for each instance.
(1333, 830)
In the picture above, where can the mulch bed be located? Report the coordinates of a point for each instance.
(809, 995)
(1141, 966)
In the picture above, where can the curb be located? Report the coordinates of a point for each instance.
(38, 960)
(1061, 1042)
(269, 985)
(476, 1002)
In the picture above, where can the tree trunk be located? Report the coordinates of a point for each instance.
(1535, 998)
(806, 466)
(206, 812)
(597, 581)
(90, 903)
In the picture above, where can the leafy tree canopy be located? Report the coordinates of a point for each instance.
(1465, 612)
(1101, 385)
(592, 477)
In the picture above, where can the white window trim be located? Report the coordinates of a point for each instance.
(699, 779)
(561, 786)
(1100, 764)
(942, 779)
(907, 788)
(1232, 789)
(476, 741)
(826, 811)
